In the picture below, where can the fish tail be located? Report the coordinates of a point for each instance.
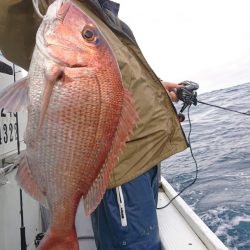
(62, 232)
(57, 239)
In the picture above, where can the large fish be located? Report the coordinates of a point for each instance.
(79, 118)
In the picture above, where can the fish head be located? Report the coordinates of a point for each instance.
(72, 38)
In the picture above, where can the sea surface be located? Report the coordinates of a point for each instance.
(221, 145)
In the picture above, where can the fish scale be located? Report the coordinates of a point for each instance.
(79, 119)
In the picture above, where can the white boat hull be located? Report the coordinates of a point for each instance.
(180, 228)
(10, 219)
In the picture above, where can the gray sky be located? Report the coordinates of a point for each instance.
(207, 41)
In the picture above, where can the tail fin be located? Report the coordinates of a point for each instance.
(59, 240)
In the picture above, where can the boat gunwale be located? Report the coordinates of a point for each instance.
(206, 235)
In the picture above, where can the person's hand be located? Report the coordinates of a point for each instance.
(171, 89)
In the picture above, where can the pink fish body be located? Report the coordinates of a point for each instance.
(79, 118)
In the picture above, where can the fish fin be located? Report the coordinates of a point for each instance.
(128, 120)
(15, 97)
(59, 239)
(25, 179)
(51, 78)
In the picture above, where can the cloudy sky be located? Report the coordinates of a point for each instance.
(207, 41)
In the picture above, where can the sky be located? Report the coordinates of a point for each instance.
(205, 41)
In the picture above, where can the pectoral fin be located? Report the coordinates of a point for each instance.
(15, 98)
(51, 79)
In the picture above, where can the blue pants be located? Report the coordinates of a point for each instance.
(126, 217)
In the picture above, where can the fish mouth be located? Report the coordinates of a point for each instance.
(78, 65)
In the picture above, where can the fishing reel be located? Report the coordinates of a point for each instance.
(188, 95)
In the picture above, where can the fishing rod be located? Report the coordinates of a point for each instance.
(22, 228)
(188, 95)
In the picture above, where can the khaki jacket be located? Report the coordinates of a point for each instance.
(158, 134)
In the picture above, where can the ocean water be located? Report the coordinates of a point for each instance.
(221, 145)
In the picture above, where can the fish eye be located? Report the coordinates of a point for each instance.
(88, 34)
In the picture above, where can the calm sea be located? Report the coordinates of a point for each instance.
(221, 145)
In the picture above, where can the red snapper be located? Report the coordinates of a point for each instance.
(79, 119)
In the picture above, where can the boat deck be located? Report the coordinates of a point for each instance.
(180, 227)
(175, 232)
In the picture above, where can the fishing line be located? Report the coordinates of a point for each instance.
(216, 106)
(196, 165)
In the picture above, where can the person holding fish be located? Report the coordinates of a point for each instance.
(99, 120)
